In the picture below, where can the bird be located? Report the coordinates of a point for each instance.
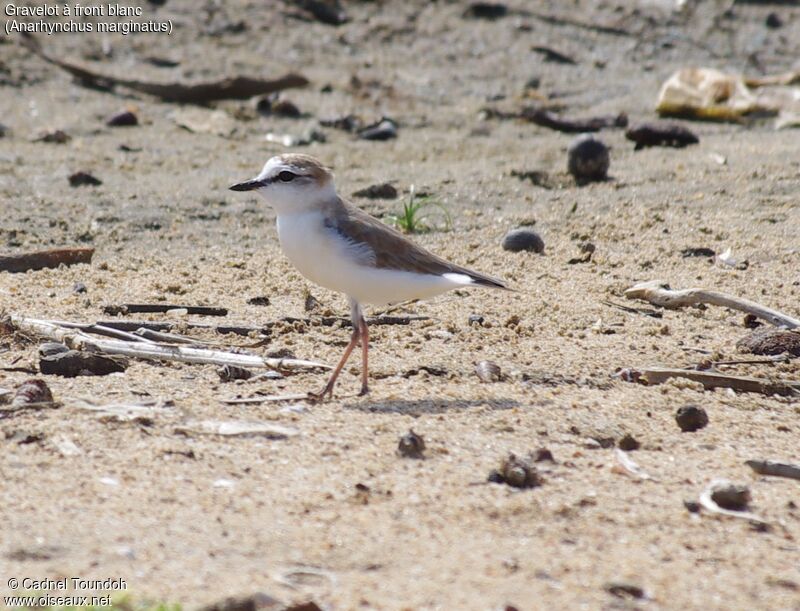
(338, 246)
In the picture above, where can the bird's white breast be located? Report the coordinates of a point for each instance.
(326, 258)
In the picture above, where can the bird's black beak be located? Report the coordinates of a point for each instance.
(247, 185)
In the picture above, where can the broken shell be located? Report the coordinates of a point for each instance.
(516, 472)
(588, 159)
(228, 373)
(411, 445)
(385, 129)
(32, 391)
(488, 371)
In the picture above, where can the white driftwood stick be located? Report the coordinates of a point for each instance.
(660, 294)
(78, 340)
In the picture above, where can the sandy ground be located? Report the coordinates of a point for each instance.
(194, 518)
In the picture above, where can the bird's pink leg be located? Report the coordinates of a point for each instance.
(328, 390)
(364, 335)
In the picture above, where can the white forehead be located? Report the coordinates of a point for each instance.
(271, 166)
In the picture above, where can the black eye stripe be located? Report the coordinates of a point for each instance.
(283, 176)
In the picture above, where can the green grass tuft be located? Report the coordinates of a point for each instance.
(412, 220)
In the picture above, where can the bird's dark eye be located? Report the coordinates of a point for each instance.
(286, 176)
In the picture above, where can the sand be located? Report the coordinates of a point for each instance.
(192, 518)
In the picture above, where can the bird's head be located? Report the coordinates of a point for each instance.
(292, 183)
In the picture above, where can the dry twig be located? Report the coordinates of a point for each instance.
(660, 294)
(238, 88)
(659, 375)
(777, 469)
(29, 261)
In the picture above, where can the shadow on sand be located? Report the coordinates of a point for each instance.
(428, 406)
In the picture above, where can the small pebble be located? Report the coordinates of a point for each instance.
(731, 496)
(488, 371)
(57, 136)
(692, 506)
(411, 445)
(543, 455)
(774, 21)
(588, 159)
(123, 119)
(79, 179)
(78, 288)
(475, 320)
(628, 443)
(380, 191)
(486, 10)
(518, 240)
(625, 590)
(691, 418)
(259, 301)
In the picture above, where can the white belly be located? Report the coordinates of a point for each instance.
(326, 259)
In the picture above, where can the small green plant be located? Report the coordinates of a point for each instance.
(411, 220)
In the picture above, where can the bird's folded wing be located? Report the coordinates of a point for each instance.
(392, 250)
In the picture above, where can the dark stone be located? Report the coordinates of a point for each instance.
(79, 179)
(259, 301)
(774, 21)
(588, 159)
(691, 418)
(379, 191)
(486, 10)
(74, 363)
(628, 443)
(411, 445)
(518, 240)
(123, 119)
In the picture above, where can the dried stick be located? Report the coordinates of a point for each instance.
(777, 469)
(660, 294)
(162, 308)
(787, 78)
(659, 375)
(265, 399)
(78, 340)
(237, 88)
(167, 338)
(29, 261)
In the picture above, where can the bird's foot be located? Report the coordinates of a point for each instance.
(319, 397)
(364, 390)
